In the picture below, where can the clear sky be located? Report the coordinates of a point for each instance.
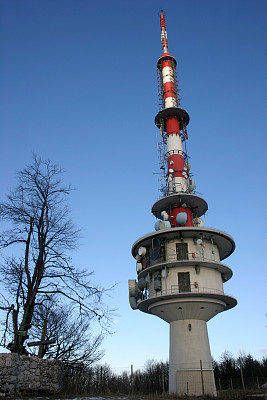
(78, 86)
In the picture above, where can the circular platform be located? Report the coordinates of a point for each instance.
(166, 307)
(222, 268)
(165, 58)
(223, 241)
(177, 112)
(197, 204)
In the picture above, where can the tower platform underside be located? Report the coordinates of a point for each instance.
(196, 204)
(174, 306)
(177, 112)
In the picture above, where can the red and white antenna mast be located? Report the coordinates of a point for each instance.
(180, 276)
(172, 121)
(164, 39)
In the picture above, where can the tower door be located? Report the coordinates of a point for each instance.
(184, 282)
(182, 251)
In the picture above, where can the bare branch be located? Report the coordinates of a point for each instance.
(43, 234)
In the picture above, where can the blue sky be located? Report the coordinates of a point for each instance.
(78, 86)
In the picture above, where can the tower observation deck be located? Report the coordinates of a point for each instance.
(180, 274)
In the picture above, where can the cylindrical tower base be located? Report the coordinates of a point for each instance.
(190, 364)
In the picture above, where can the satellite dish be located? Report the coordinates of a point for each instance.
(155, 249)
(157, 226)
(199, 241)
(198, 222)
(181, 218)
(133, 288)
(162, 225)
(164, 215)
(142, 251)
(167, 224)
(138, 267)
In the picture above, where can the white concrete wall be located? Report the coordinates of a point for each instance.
(206, 278)
(203, 252)
(187, 348)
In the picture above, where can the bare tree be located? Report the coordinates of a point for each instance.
(40, 235)
(71, 332)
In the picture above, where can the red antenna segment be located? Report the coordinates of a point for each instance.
(164, 39)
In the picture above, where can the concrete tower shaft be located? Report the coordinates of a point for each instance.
(180, 274)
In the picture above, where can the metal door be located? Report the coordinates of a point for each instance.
(182, 251)
(184, 282)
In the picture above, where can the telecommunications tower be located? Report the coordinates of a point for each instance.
(179, 271)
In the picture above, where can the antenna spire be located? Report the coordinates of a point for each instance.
(164, 39)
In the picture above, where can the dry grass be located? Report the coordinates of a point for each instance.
(222, 395)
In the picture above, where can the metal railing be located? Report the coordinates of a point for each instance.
(193, 288)
(191, 257)
(182, 289)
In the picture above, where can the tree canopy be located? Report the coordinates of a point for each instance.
(35, 262)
